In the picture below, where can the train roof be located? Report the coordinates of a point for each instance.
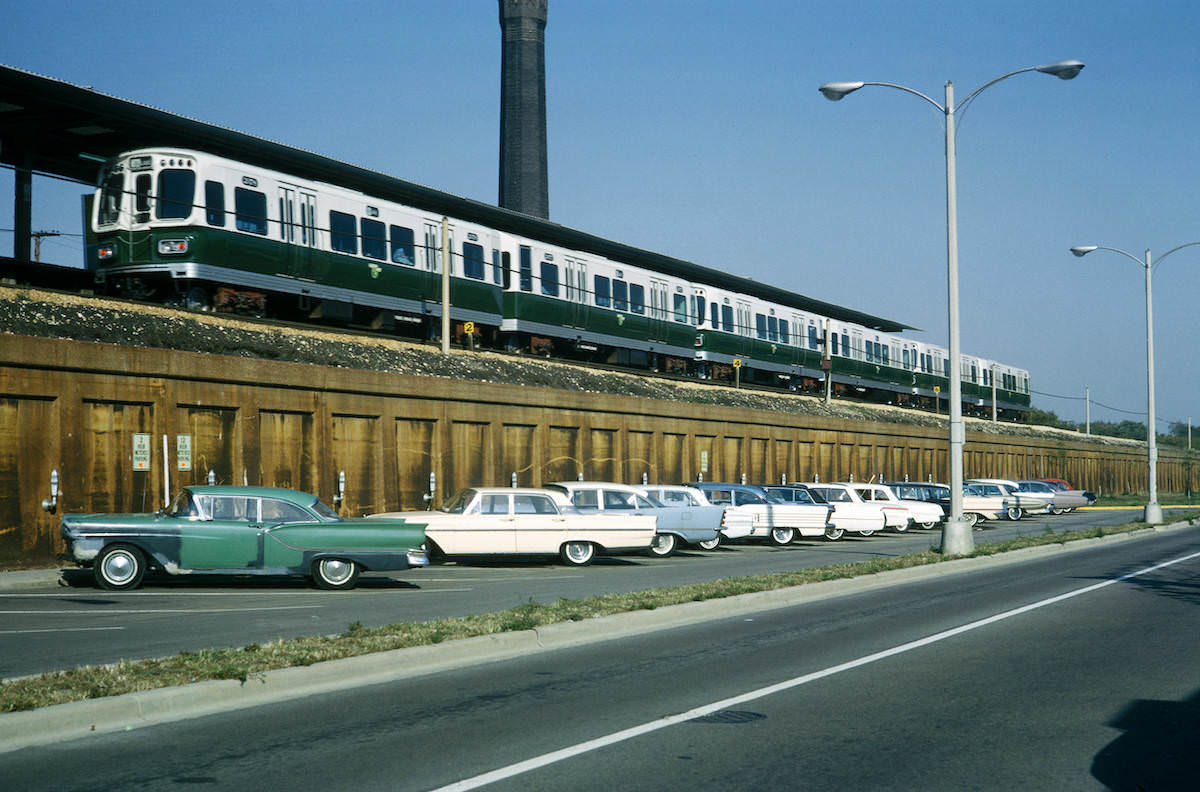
(55, 127)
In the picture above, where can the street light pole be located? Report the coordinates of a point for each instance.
(1153, 512)
(957, 536)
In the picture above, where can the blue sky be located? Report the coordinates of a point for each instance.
(695, 129)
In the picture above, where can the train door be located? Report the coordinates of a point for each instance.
(297, 229)
(433, 248)
(857, 345)
(577, 294)
(287, 229)
(659, 292)
(745, 327)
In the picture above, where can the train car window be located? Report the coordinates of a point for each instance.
(141, 198)
(214, 203)
(343, 234)
(884, 350)
(681, 308)
(176, 193)
(845, 344)
(833, 345)
(472, 260)
(603, 291)
(549, 279)
(716, 316)
(906, 359)
(783, 331)
(620, 295)
(506, 265)
(497, 277)
(812, 336)
(403, 246)
(374, 239)
(698, 304)
(870, 350)
(526, 269)
(110, 198)
(637, 298)
(250, 210)
(760, 325)
(772, 328)
(727, 318)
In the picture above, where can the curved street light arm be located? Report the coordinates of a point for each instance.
(967, 99)
(906, 89)
(1126, 254)
(1172, 250)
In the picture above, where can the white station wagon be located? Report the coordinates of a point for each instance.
(484, 521)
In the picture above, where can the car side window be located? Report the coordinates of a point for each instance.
(533, 504)
(618, 500)
(802, 496)
(720, 496)
(239, 509)
(743, 498)
(494, 504)
(586, 499)
(277, 511)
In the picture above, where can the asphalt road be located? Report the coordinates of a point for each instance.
(1051, 673)
(54, 626)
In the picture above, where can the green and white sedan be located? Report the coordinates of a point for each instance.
(227, 530)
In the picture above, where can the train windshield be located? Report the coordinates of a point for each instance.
(111, 193)
(176, 193)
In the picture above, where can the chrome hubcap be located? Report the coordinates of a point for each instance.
(336, 571)
(119, 567)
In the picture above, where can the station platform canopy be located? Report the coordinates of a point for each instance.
(53, 127)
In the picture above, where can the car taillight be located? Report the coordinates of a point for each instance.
(172, 247)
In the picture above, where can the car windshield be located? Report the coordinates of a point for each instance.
(323, 511)
(183, 506)
(459, 503)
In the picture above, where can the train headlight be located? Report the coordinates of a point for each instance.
(172, 247)
(105, 252)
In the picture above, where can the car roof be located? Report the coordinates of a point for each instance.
(594, 484)
(295, 496)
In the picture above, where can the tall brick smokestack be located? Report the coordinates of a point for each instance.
(523, 183)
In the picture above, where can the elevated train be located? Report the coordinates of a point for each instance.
(208, 232)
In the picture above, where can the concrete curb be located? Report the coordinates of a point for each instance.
(136, 710)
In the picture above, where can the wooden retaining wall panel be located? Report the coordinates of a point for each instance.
(75, 406)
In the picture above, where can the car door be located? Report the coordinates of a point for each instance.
(229, 537)
(538, 526)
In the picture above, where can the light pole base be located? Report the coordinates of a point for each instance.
(1153, 514)
(958, 538)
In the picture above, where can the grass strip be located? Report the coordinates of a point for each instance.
(128, 676)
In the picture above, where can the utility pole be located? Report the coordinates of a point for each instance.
(37, 242)
(1087, 408)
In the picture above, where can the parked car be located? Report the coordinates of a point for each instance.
(674, 525)
(928, 492)
(1016, 503)
(489, 521)
(801, 493)
(917, 512)
(775, 519)
(1059, 485)
(244, 531)
(851, 513)
(735, 523)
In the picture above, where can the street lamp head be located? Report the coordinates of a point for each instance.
(1083, 250)
(1063, 70)
(835, 91)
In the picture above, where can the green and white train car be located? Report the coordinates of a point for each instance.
(210, 232)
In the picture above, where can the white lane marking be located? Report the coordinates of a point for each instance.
(64, 629)
(123, 611)
(708, 709)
